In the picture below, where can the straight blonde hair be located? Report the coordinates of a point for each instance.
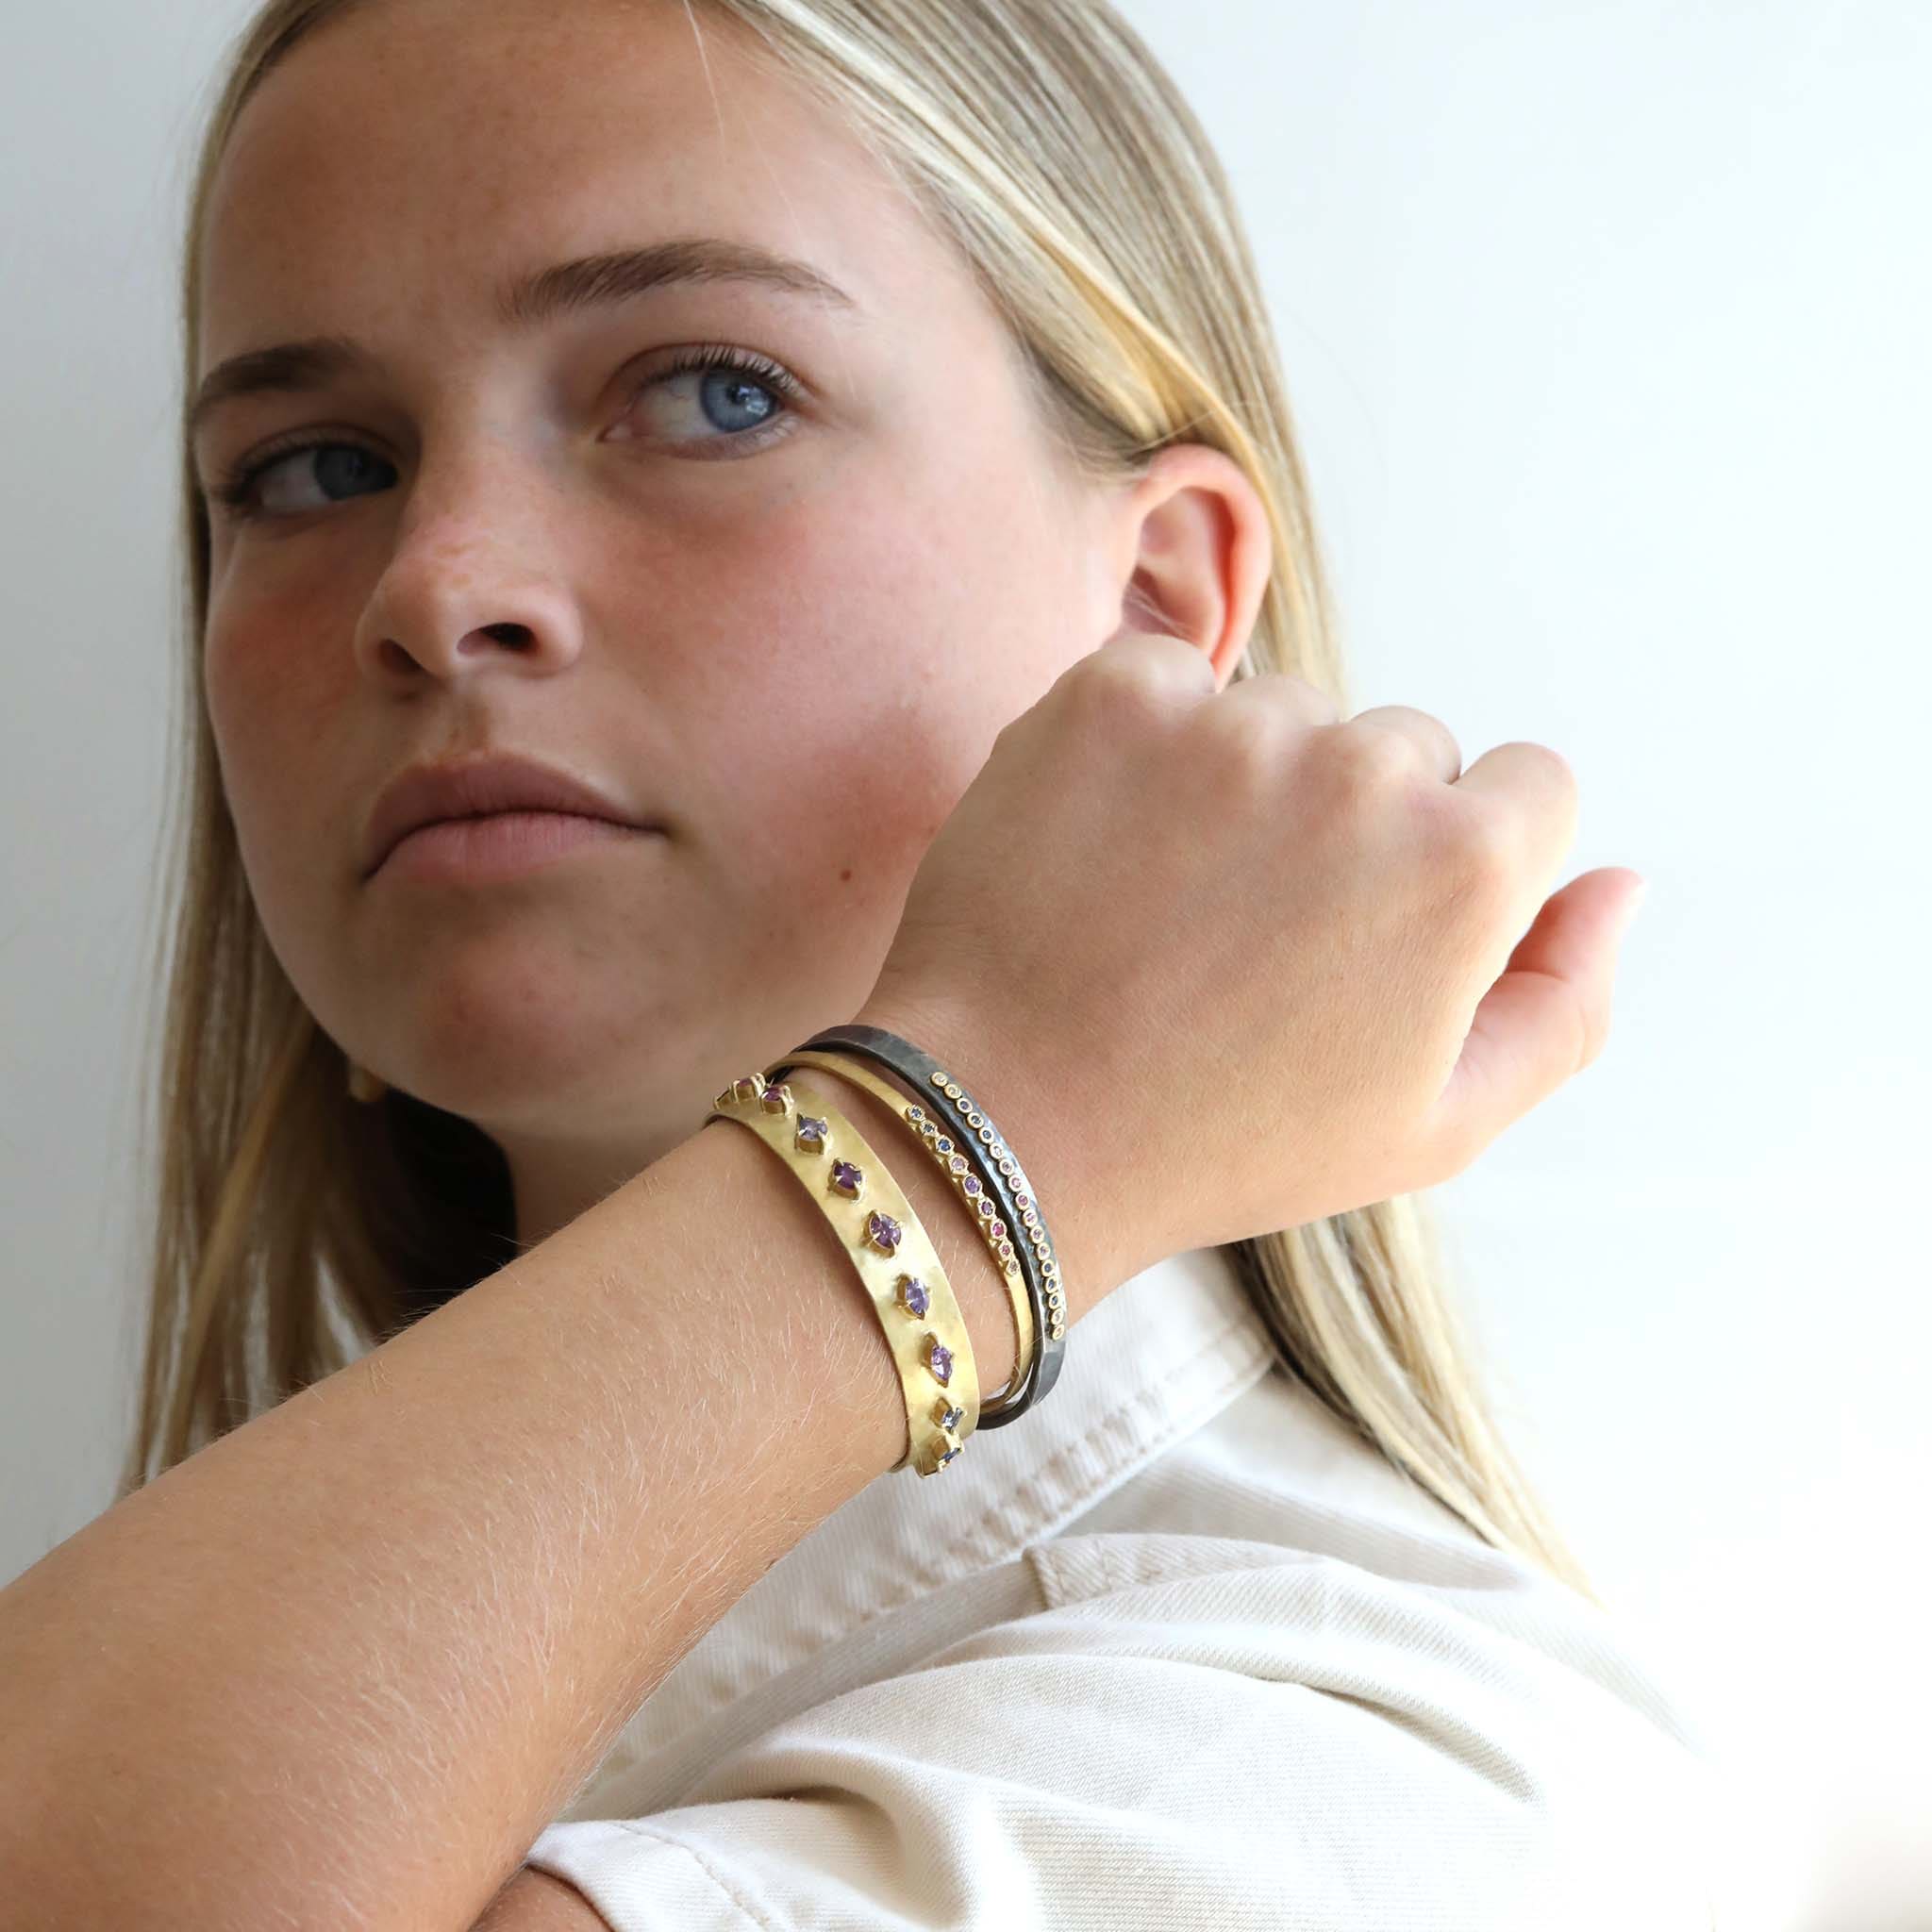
(1046, 140)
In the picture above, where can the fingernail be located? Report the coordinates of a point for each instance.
(1630, 906)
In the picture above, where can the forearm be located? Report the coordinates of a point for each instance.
(343, 1665)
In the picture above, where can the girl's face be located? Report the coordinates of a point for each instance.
(782, 614)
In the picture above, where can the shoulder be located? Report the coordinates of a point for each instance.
(1262, 1677)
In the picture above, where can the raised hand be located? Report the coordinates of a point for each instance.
(1221, 961)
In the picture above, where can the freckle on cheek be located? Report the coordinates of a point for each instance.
(845, 875)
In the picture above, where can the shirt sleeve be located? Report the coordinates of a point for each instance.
(1200, 1732)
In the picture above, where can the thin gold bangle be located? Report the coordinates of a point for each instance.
(889, 1249)
(1010, 1277)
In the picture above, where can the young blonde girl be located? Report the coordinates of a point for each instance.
(1022, 511)
(1089, 204)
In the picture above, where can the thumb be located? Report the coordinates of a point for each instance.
(1547, 1017)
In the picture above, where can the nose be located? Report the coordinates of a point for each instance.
(453, 608)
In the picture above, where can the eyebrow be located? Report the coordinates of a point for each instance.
(592, 282)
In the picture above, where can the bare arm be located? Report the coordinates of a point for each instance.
(343, 1666)
(536, 1901)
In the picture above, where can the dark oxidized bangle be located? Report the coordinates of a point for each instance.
(957, 1117)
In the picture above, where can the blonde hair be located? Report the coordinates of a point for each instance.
(1042, 137)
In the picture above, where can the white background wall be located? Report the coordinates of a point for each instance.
(1607, 330)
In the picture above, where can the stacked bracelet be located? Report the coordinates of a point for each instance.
(973, 1196)
(894, 1259)
(956, 1126)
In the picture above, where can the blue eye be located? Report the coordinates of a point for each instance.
(237, 490)
(729, 379)
(722, 379)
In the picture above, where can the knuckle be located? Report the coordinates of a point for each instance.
(1136, 675)
(1556, 768)
(1246, 740)
(1368, 760)
(1293, 700)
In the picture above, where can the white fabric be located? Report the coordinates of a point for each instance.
(1176, 1649)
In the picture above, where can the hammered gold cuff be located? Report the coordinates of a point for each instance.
(895, 1262)
(848, 1067)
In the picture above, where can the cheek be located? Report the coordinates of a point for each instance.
(861, 671)
(270, 702)
(899, 616)
(261, 662)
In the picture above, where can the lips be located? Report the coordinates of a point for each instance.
(473, 787)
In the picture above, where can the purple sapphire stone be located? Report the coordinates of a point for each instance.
(913, 1292)
(845, 1176)
(884, 1232)
(942, 1361)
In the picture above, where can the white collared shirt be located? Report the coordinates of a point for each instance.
(1176, 1649)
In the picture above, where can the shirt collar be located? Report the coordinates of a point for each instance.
(1159, 1356)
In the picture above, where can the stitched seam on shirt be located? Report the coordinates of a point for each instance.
(948, 1563)
(737, 1903)
(1033, 1503)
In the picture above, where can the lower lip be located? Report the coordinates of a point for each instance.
(499, 845)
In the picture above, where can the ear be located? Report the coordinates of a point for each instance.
(1195, 548)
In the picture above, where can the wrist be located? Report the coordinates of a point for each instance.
(1046, 1132)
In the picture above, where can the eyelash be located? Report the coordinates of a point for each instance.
(235, 490)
